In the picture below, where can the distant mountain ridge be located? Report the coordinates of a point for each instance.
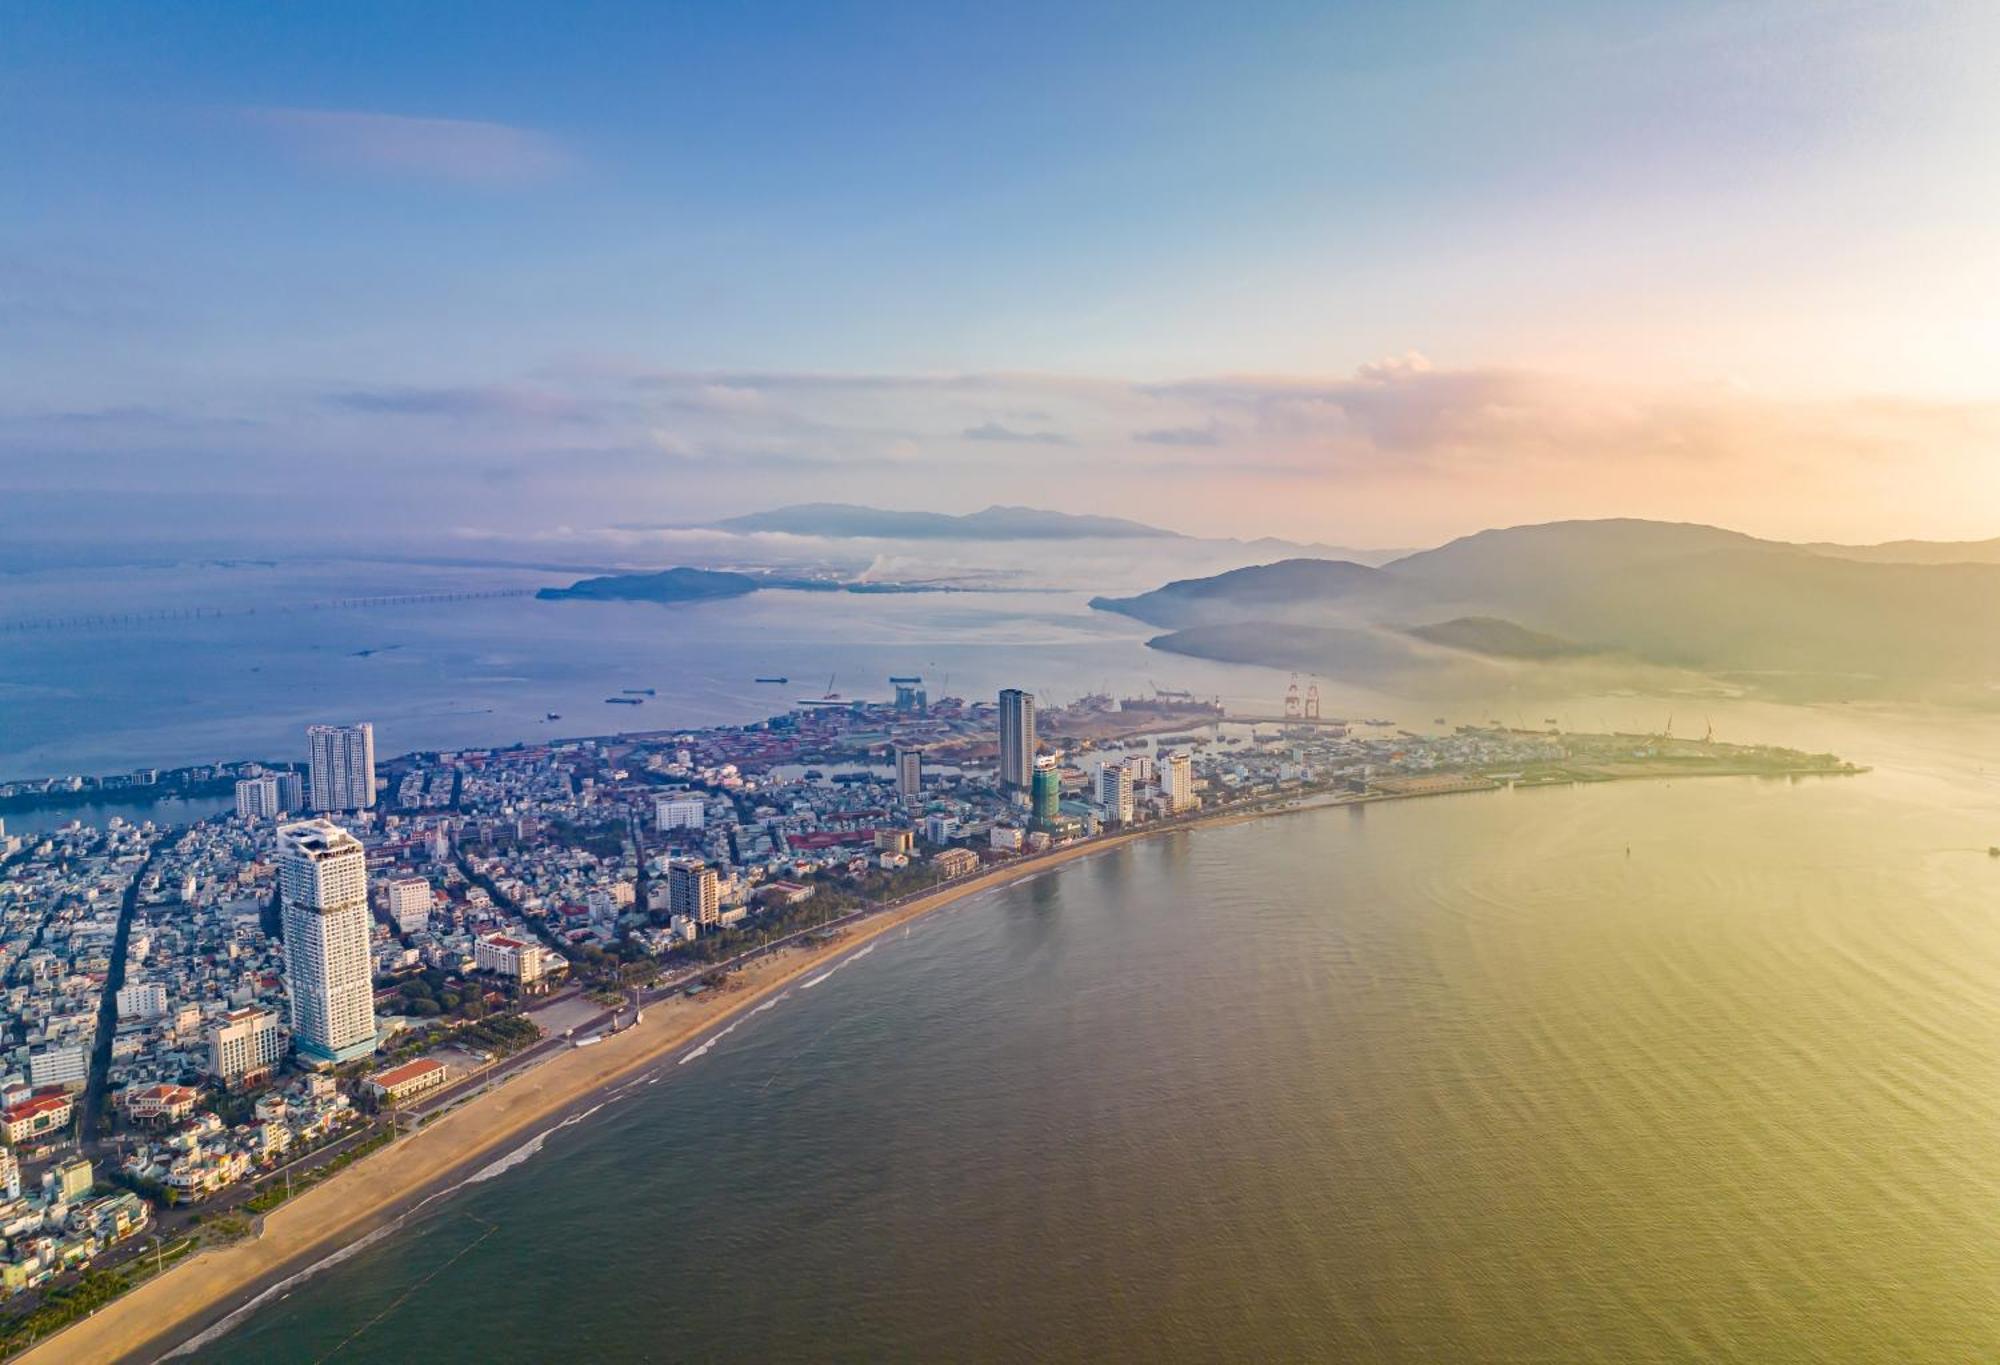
(1915, 551)
(1765, 614)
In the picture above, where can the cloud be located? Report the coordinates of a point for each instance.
(1394, 367)
(993, 431)
(1180, 436)
(1397, 449)
(465, 151)
(479, 401)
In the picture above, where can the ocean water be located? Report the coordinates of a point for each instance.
(280, 653)
(1645, 1072)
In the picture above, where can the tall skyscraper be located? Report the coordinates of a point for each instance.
(910, 774)
(323, 892)
(291, 793)
(1177, 781)
(692, 890)
(1114, 792)
(1047, 789)
(1017, 738)
(343, 766)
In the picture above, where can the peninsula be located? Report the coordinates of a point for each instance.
(569, 819)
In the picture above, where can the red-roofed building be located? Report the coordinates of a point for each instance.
(44, 1113)
(160, 1104)
(509, 956)
(401, 1083)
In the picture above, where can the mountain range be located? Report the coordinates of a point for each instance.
(1801, 621)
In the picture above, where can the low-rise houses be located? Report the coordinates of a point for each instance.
(400, 1084)
(153, 1106)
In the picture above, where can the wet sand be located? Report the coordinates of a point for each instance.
(385, 1186)
(375, 1192)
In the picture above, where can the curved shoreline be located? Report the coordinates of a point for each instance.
(371, 1197)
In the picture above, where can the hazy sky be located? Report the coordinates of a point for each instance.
(1362, 273)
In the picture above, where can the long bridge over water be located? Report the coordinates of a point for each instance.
(118, 620)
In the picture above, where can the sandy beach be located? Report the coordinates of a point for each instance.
(375, 1192)
(193, 1297)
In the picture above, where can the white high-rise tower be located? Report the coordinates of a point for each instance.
(343, 766)
(323, 891)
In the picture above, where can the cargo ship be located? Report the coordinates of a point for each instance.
(771, 680)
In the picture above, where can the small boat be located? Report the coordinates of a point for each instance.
(552, 716)
(772, 680)
(624, 701)
(639, 691)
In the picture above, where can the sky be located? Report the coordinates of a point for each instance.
(1363, 274)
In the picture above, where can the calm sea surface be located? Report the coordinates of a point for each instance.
(1655, 1071)
(1456, 1079)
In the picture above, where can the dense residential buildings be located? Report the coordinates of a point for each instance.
(1017, 739)
(342, 766)
(493, 861)
(323, 890)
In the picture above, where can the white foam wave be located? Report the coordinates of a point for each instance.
(702, 1051)
(285, 1286)
(852, 957)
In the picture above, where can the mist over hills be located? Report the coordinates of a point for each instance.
(1779, 618)
(1916, 551)
(843, 520)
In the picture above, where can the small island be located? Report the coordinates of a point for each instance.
(668, 585)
